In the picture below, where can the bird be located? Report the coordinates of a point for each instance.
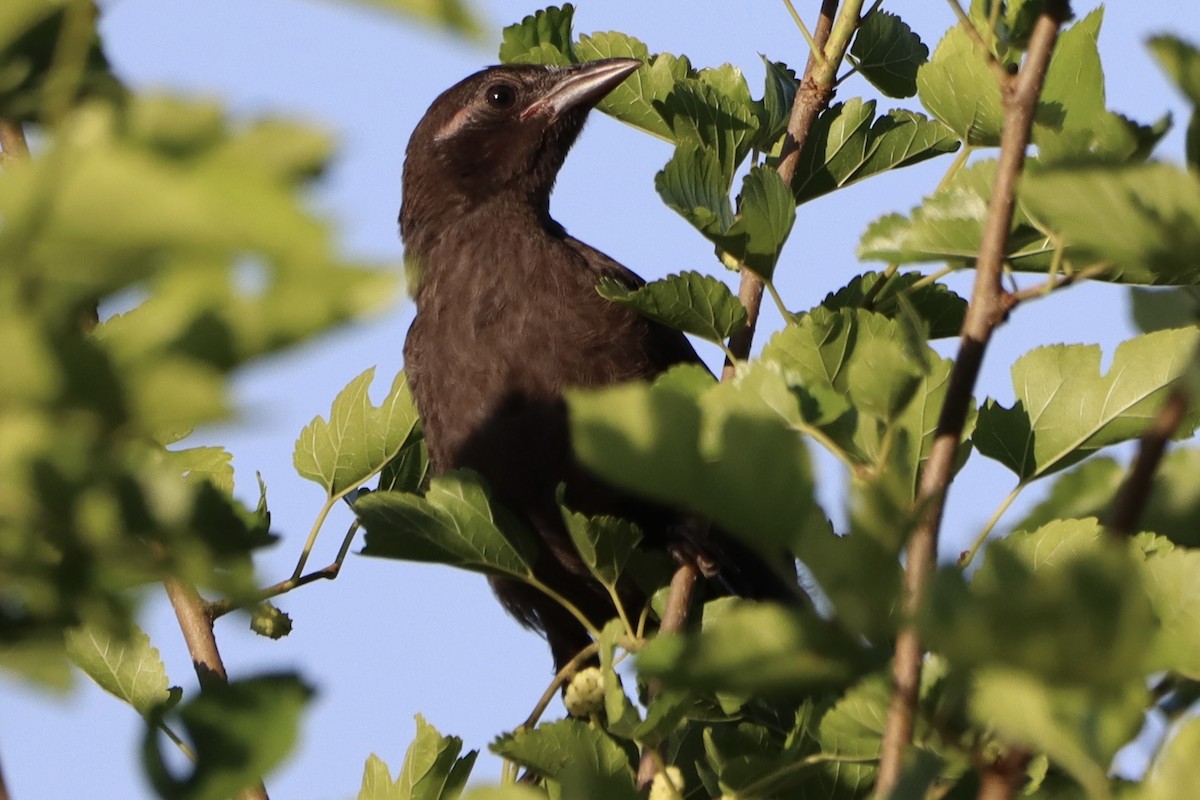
(508, 317)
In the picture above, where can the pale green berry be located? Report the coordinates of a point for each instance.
(667, 785)
(585, 694)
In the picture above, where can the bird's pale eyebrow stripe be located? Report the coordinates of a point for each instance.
(455, 124)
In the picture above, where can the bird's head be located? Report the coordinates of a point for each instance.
(501, 133)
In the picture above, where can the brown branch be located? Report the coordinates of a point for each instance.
(812, 97)
(12, 140)
(562, 676)
(1135, 489)
(4, 795)
(679, 600)
(1002, 778)
(197, 627)
(987, 310)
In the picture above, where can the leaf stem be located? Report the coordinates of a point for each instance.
(564, 602)
(965, 559)
(987, 310)
(12, 140)
(814, 48)
(183, 746)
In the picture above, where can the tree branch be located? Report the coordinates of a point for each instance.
(814, 94)
(12, 140)
(987, 310)
(197, 627)
(1135, 489)
(1001, 779)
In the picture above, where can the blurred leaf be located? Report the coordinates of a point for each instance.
(948, 226)
(454, 15)
(889, 53)
(1181, 61)
(1061, 602)
(849, 143)
(1160, 309)
(1142, 220)
(1172, 578)
(859, 575)
(130, 669)
(31, 39)
(958, 88)
(552, 748)
(940, 309)
(239, 731)
(697, 454)
(511, 792)
(1175, 768)
(759, 649)
(452, 524)
(1066, 410)
(1078, 729)
(212, 464)
(359, 438)
(1172, 508)
(691, 302)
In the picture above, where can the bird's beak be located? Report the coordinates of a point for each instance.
(582, 85)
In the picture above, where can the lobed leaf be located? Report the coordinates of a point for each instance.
(128, 668)
(957, 87)
(889, 53)
(552, 749)
(359, 438)
(1066, 409)
(690, 302)
(452, 524)
(432, 769)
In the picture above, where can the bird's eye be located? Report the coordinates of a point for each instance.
(501, 95)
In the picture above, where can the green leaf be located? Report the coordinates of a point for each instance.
(551, 749)
(702, 455)
(452, 524)
(1160, 309)
(889, 53)
(213, 464)
(948, 226)
(690, 302)
(1065, 409)
(1142, 220)
(940, 310)
(691, 184)
(1181, 61)
(854, 728)
(432, 769)
(765, 220)
(1175, 769)
(757, 648)
(540, 38)
(713, 111)
(849, 143)
(776, 106)
(409, 470)
(239, 731)
(1078, 729)
(605, 543)
(453, 15)
(1061, 602)
(129, 669)
(359, 438)
(958, 88)
(860, 576)
(1172, 579)
(512, 792)
(639, 99)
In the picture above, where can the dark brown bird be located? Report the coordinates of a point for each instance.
(508, 316)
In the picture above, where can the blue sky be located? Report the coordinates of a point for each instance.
(388, 640)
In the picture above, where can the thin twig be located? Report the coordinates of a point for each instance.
(986, 311)
(12, 140)
(197, 627)
(219, 608)
(812, 97)
(1054, 284)
(1135, 489)
(565, 674)
(674, 619)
